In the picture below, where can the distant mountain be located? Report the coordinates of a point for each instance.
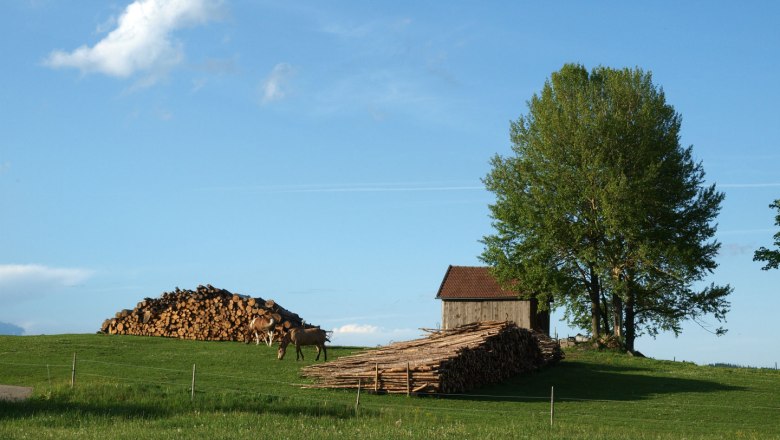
(7, 328)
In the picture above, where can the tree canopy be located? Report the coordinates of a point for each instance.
(771, 256)
(601, 211)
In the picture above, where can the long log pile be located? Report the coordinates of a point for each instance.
(446, 361)
(206, 313)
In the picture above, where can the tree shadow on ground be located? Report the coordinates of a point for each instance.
(574, 380)
(280, 405)
(75, 410)
(37, 407)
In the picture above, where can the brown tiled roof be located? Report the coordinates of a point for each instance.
(469, 282)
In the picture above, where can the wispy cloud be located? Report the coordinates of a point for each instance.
(745, 231)
(198, 84)
(348, 31)
(748, 185)
(352, 188)
(213, 67)
(378, 92)
(737, 249)
(21, 280)
(219, 66)
(363, 30)
(394, 77)
(274, 87)
(164, 115)
(141, 41)
(107, 25)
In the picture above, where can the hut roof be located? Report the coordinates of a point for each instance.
(472, 282)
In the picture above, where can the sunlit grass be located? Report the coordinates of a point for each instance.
(140, 388)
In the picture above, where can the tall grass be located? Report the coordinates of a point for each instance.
(139, 388)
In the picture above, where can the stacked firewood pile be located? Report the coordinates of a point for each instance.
(206, 313)
(446, 361)
(550, 348)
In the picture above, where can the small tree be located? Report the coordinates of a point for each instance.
(771, 256)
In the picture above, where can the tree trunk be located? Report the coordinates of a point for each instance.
(594, 290)
(604, 313)
(630, 314)
(617, 315)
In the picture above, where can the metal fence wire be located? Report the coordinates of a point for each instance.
(191, 382)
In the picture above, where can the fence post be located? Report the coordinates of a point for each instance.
(357, 400)
(192, 393)
(73, 372)
(552, 404)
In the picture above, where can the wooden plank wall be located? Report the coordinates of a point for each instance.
(455, 313)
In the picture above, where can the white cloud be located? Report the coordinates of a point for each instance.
(21, 280)
(367, 335)
(273, 88)
(141, 41)
(356, 328)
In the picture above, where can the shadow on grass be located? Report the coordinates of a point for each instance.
(71, 411)
(278, 405)
(574, 380)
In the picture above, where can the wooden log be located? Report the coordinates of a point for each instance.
(206, 313)
(449, 361)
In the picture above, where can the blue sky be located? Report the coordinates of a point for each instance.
(329, 156)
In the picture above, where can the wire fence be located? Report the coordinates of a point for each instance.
(191, 382)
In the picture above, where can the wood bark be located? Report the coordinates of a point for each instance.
(206, 313)
(594, 291)
(446, 361)
(630, 322)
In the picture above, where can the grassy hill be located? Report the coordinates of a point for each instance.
(139, 388)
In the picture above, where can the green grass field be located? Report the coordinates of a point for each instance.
(139, 388)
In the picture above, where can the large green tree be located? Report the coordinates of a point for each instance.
(601, 211)
(771, 256)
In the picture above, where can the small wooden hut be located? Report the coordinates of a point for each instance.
(471, 294)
